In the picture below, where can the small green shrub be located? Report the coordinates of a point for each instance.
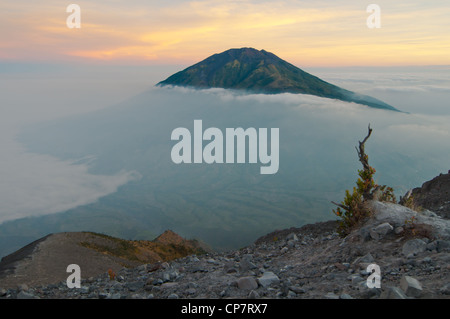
(411, 204)
(353, 209)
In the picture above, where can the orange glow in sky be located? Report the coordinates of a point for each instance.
(326, 33)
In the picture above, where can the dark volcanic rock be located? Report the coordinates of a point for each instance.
(434, 195)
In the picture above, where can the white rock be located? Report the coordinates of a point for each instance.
(292, 236)
(396, 215)
(411, 286)
(268, 278)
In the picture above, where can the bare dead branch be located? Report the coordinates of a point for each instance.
(341, 206)
(361, 151)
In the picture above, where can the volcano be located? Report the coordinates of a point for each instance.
(259, 71)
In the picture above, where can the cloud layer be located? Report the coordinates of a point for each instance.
(317, 138)
(33, 184)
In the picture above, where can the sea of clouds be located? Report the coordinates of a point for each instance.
(38, 184)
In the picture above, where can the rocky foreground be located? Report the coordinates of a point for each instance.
(434, 195)
(411, 248)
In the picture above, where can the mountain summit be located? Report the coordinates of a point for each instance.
(262, 72)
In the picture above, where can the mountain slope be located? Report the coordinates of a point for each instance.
(262, 72)
(46, 260)
(433, 195)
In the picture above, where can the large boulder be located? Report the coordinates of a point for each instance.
(398, 216)
(411, 286)
(268, 278)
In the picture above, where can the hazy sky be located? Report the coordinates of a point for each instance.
(306, 33)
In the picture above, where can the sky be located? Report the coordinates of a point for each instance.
(305, 33)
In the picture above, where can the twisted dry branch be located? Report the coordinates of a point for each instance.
(363, 158)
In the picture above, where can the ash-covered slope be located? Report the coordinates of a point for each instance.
(45, 261)
(262, 72)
